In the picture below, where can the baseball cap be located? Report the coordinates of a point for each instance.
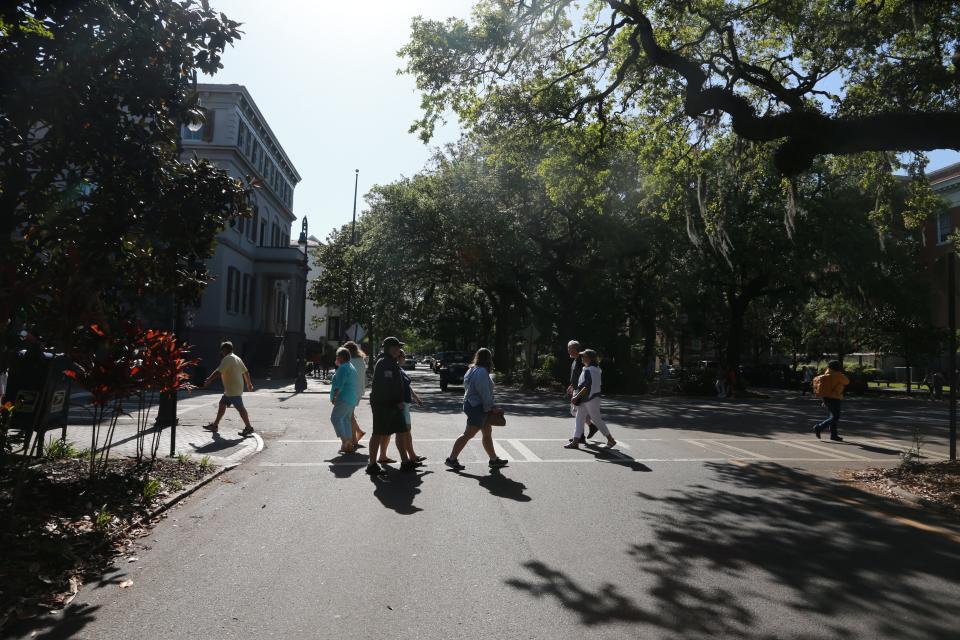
(391, 342)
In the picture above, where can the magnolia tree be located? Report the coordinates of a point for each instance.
(100, 215)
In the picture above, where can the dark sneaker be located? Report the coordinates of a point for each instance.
(836, 438)
(212, 428)
(573, 444)
(497, 463)
(246, 433)
(817, 431)
(453, 463)
(591, 431)
(583, 440)
(374, 470)
(420, 458)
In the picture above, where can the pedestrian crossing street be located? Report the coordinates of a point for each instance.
(308, 453)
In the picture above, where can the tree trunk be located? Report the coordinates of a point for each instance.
(738, 310)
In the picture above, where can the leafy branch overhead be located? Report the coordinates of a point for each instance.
(818, 77)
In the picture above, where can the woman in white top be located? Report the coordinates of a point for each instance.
(587, 401)
(357, 359)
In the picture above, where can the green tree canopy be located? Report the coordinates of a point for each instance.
(99, 215)
(815, 76)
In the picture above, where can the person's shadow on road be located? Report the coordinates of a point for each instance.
(217, 443)
(499, 485)
(615, 456)
(397, 491)
(345, 465)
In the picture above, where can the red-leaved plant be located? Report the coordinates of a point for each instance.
(114, 367)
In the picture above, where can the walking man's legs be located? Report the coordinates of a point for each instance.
(221, 409)
(833, 420)
(245, 417)
(374, 445)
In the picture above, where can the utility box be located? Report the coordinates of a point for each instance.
(39, 390)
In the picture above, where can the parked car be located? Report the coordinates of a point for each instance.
(427, 360)
(410, 363)
(453, 367)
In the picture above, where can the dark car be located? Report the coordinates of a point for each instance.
(452, 368)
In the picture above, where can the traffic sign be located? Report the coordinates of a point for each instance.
(356, 332)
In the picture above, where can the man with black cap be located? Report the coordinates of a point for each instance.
(386, 402)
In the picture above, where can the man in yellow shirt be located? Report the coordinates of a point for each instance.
(234, 374)
(829, 387)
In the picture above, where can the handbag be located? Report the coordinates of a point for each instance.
(496, 419)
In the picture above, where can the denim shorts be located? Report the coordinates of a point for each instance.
(233, 401)
(476, 416)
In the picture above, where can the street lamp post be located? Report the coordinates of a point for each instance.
(353, 241)
(301, 383)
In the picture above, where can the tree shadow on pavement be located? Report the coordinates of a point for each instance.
(397, 490)
(61, 626)
(499, 485)
(764, 546)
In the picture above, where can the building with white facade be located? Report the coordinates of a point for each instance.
(256, 297)
(324, 331)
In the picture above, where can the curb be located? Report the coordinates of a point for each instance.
(231, 464)
(173, 500)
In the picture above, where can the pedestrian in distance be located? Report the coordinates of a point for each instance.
(721, 382)
(359, 364)
(808, 374)
(477, 405)
(829, 387)
(325, 363)
(343, 395)
(386, 403)
(587, 399)
(576, 367)
(233, 373)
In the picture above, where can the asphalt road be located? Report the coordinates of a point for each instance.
(715, 519)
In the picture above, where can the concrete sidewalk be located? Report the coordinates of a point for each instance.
(193, 411)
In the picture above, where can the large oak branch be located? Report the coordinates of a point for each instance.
(806, 133)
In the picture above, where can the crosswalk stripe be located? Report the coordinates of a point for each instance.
(840, 455)
(525, 451)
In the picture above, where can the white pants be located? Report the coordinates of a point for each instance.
(591, 409)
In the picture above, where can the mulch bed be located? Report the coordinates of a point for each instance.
(58, 529)
(935, 484)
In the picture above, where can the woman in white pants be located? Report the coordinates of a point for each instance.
(587, 401)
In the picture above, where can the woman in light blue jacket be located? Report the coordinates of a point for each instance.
(343, 395)
(477, 405)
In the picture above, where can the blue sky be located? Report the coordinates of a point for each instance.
(324, 75)
(323, 72)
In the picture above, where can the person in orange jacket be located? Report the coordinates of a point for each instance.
(829, 388)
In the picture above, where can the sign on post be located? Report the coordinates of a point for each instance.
(356, 332)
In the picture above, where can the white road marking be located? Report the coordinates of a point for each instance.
(501, 452)
(522, 449)
(758, 456)
(617, 460)
(812, 448)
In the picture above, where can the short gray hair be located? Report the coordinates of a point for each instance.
(573, 343)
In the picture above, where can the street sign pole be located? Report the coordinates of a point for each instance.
(952, 321)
